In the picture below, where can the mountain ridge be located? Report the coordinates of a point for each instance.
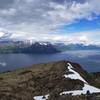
(41, 47)
(39, 80)
(8, 36)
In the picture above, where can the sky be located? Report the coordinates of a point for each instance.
(51, 20)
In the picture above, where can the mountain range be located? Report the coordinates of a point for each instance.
(11, 45)
(41, 47)
(21, 47)
(77, 46)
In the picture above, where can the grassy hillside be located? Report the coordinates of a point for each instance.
(41, 79)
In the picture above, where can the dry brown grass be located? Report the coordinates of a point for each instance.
(39, 79)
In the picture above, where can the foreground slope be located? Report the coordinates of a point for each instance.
(55, 80)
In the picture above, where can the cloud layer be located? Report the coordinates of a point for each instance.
(42, 18)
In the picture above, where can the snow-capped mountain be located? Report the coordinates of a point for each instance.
(4, 36)
(26, 47)
(10, 36)
(12, 39)
(78, 46)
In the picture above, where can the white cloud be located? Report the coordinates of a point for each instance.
(40, 19)
(68, 14)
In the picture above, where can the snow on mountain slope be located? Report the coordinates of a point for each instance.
(5, 36)
(41, 97)
(86, 87)
(75, 75)
(43, 43)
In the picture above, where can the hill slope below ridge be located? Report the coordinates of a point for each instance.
(53, 81)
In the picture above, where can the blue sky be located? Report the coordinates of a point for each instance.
(80, 26)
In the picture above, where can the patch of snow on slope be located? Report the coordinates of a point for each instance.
(86, 87)
(40, 97)
(74, 74)
(43, 43)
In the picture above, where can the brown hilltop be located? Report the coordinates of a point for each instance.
(40, 79)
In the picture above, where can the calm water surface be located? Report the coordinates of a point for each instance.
(88, 59)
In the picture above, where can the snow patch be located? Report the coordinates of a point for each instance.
(86, 87)
(41, 97)
(74, 74)
(43, 43)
